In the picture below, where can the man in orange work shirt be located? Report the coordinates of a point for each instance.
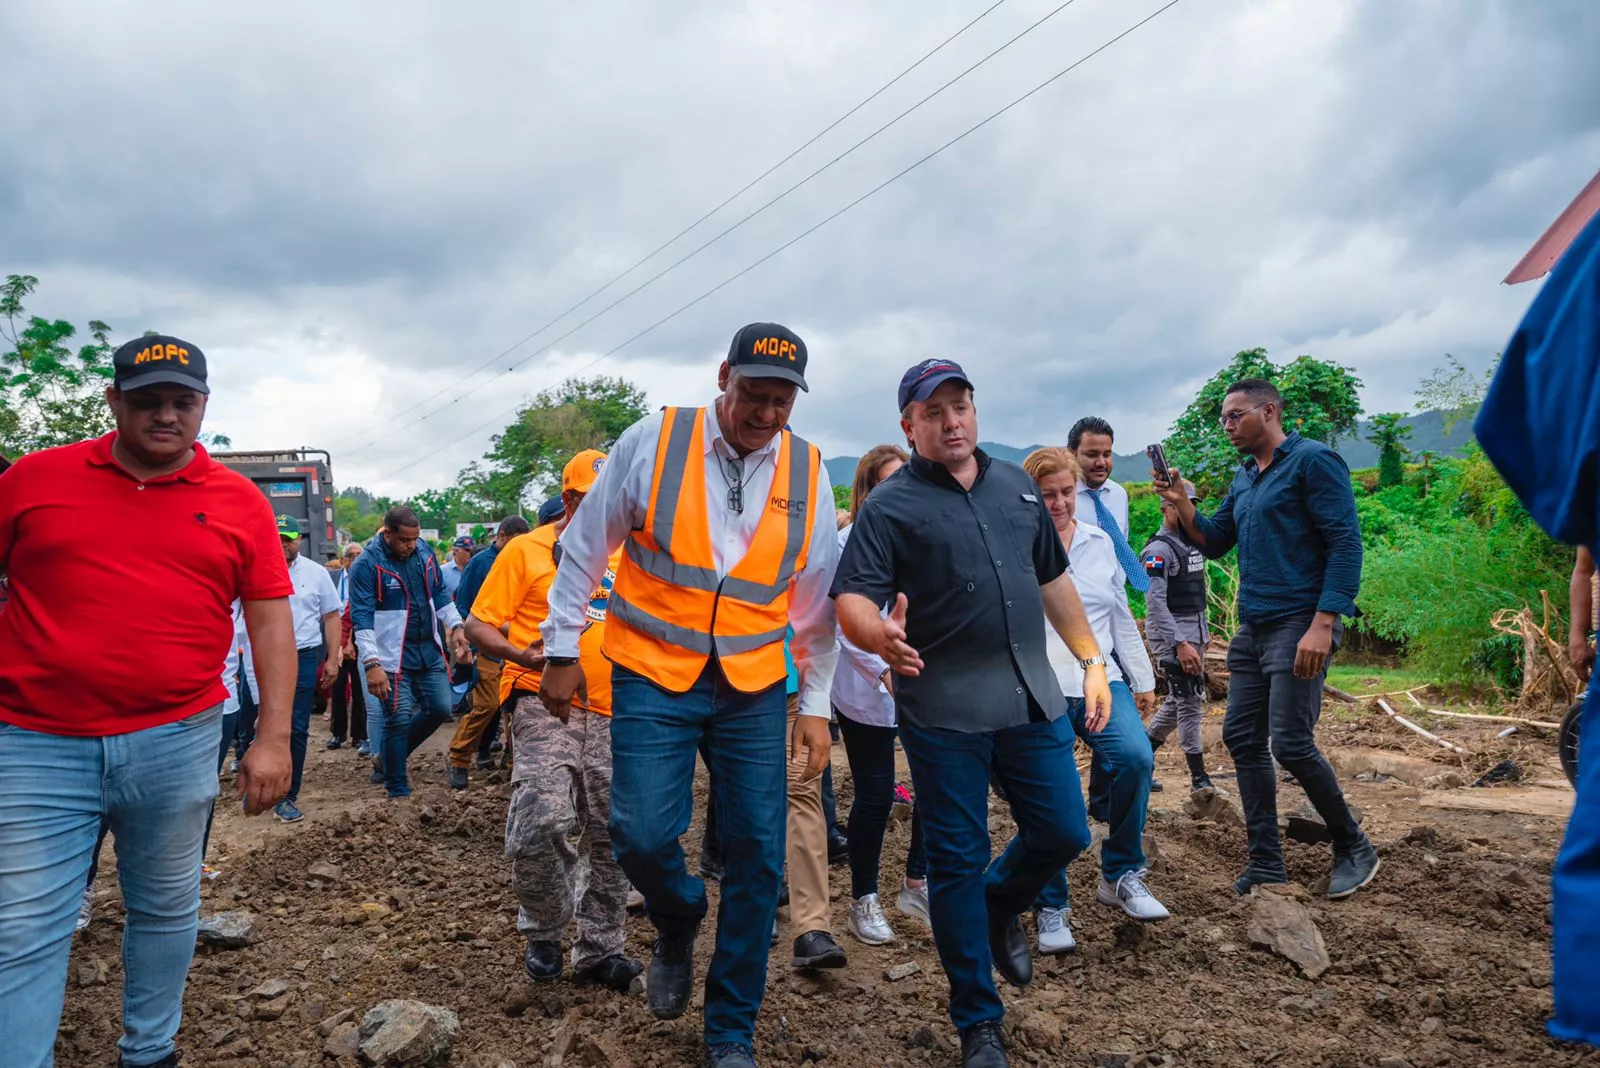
(132, 743)
(561, 768)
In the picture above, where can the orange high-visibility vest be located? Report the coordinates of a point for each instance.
(669, 612)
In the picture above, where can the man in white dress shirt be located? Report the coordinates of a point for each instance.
(716, 510)
(316, 607)
(1102, 502)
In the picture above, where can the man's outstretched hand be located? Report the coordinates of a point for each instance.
(892, 640)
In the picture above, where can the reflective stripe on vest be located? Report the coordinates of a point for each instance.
(673, 609)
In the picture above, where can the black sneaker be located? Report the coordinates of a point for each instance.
(1252, 879)
(615, 972)
(671, 977)
(817, 949)
(984, 1046)
(333, 743)
(710, 865)
(1353, 868)
(838, 849)
(169, 1061)
(729, 1055)
(1155, 785)
(457, 777)
(542, 961)
(483, 764)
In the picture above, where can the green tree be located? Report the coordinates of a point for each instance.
(362, 528)
(581, 413)
(1454, 391)
(1390, 437)
(345, 512)
(49, 394)
(1319, 400)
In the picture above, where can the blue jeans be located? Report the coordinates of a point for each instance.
(654, 738)
(1273, 715)
(422, 695)
(154, 789)
(1122, 749)
(950, 772)
(1575, 895)
(305, 693)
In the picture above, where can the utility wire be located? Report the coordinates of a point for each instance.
(969, 131)
(885, 87)
(730, 229)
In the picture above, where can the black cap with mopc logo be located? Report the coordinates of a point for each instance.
(159, 360)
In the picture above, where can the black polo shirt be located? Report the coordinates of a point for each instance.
(970, 564)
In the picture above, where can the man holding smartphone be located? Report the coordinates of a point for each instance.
(1292, 515)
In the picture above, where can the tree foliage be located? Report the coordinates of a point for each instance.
(581, 413)
(1454, 390)
(1319, 400)
(50, 394)
(1386, 432)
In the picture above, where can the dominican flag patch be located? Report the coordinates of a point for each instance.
(1155, 564)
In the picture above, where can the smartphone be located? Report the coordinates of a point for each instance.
(1158, 459)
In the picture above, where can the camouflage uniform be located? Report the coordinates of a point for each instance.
(562, 793)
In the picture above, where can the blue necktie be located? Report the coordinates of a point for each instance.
(1125, 555)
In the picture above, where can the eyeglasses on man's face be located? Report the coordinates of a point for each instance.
(1230, 418)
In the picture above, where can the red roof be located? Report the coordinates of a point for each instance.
(1544, 253)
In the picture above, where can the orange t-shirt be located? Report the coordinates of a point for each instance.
(596, 668)
(516, 592)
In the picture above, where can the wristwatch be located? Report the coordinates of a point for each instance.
(1097, 659)
(560, 661)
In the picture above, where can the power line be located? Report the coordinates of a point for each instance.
(751, 184)
(969, 131)
(686, 257)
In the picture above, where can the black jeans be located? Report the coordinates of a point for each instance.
(870, 751)
(347, 694)
(1273, 714)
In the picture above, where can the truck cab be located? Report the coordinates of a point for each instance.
(298, 483)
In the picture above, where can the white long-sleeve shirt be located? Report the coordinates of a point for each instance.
(1092, 563)
(616, 504)
(1116, 502)
(858, 689)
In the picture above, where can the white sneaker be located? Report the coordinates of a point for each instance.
(1055, 933)
(85, 911)
(1131, 895)
(913, 901)
(868, 923)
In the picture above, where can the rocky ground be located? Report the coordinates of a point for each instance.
(1443, 961)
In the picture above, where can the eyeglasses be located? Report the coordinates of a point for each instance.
(1230, 418)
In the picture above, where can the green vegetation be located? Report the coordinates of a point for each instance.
(49, 394)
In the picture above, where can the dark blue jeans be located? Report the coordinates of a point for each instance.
(950, 772)
(870, 751)
(305, 692)
(418, 702)
(655, 735)
(1123, 749)
(1271, 713)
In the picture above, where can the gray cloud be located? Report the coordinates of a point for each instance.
(352, 212)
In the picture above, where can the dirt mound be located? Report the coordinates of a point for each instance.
(1444, 960)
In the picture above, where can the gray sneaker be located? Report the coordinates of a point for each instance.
(1353, 868)
(85, 911)
(868, 923)
(913, 901)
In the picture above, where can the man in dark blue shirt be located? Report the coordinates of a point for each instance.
(1292, 514)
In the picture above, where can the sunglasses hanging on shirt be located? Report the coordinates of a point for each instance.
(733, 474)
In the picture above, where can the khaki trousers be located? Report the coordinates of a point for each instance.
(485, 699)
(807, 846)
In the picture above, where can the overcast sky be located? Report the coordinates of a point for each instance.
(352, 211)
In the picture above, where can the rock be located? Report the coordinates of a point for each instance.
(1113, 1060)
(1041, 1031)
(372, 912)
(922, 1037)
(328, 1026)
(902, 971)
(1174, 1040)
(1154, 859)
(228, 930)
(408, 1034)
(92, 971)
(324, 872)
(1424, 834)
(270, 989)
(1432, 1025)
(1297, 1006)
(1393, 1062)
(1218, 808)
(222, 1036)
(1449, 780)
(343, 825)
(275, 1008)
(343, 1041)
(1285, 926)
(605, 1051)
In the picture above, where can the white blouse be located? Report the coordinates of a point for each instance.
(1092, 563)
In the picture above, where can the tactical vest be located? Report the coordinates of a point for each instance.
(1186, 578)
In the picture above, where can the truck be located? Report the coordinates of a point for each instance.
(298, 483)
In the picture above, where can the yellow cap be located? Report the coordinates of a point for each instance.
(582, 470)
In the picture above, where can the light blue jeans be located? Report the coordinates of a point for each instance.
(154, 789)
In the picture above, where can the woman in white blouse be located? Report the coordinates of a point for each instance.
(864, 704)
(1121, 750)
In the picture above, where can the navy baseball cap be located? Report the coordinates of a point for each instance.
(919, 382)
(159, 360)
(463, 542)
(550, 511)
(767, 350)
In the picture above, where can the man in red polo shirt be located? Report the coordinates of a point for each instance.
(131, 739)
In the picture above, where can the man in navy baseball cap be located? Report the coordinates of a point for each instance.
(918, 383)
(159, 360)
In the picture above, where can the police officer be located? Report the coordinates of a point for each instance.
(1176, 630)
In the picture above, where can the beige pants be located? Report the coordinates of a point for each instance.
(808, 845)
